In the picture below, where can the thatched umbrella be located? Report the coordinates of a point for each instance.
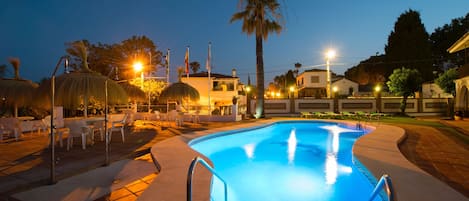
(133, 92)
(179, 91)
(17, 92)
(77, 88)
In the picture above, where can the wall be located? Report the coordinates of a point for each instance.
(388, 105)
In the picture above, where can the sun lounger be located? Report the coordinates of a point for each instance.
(349, 115)
(306, 115)
(361, 114)
(332, 115)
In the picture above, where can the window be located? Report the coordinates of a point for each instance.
(223, 86)
(314, 79)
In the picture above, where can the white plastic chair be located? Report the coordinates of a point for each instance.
(99, 127)
(78, 129)
(118, 126)
(10, 125)
(174, 115)
(58, 131)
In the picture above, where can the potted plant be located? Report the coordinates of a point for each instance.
(234, 100)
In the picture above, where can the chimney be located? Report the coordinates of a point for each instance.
(233, 72)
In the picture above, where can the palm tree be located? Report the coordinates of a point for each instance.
(195, 66)
(16, 91)
(260, 17)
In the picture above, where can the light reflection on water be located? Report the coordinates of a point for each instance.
(291, 146)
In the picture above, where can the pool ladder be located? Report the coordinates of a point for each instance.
(386, 181)
(190, 174)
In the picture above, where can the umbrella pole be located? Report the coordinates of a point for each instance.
(52, 134)
(16, 110)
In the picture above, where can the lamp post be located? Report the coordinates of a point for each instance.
(248, 100)
(336, 99)
(292, 99)
(378, 98)
(138, 67)
(52, 126)
(330, 54)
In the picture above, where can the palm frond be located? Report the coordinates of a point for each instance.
(15, 62)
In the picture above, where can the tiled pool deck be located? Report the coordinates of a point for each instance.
(378, 151)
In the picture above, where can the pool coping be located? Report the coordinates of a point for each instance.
(377, 151)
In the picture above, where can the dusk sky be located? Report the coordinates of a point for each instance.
(36, 31)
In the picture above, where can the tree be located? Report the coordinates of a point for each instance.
(443, 37)
(103, 57)
(76, 61)
(404, 82)
(195, 66)
(3, 70)
(284, 82)
(151, 87)
(408, 45)
(297, 67)
(259, 17)
(138, 48)
(369, 72)
(446, 82)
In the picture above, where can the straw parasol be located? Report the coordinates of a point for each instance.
(133, 92)
(77, 88)
(17, 92)
(179, 91)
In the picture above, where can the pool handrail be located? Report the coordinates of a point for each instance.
(384, 180)
(190, 173)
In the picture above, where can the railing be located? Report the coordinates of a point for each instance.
(384, 180)
(191, 171)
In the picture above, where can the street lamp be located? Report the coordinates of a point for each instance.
(335, 89)
(248, 97)
(378, 98)
(138, 67)
(292, 99)
(292, 90)
(330, 54)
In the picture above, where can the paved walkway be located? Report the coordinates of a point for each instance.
(24, 165)
(442, 155)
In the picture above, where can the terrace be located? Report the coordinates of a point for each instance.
(25, 168)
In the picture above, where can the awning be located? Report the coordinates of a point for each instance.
(461, 44)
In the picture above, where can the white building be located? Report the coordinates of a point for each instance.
(216, 93)
(462, 84)
(313, 83)
(432, 90)
(344, 86)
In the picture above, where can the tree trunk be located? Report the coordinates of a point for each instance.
(260, 78)
(403, 105)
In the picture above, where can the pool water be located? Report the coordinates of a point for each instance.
(286, 161)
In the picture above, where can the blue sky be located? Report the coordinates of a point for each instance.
(36, 31)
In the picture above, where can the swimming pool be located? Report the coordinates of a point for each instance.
(290, 160)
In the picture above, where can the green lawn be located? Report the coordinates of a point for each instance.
(447, 130)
